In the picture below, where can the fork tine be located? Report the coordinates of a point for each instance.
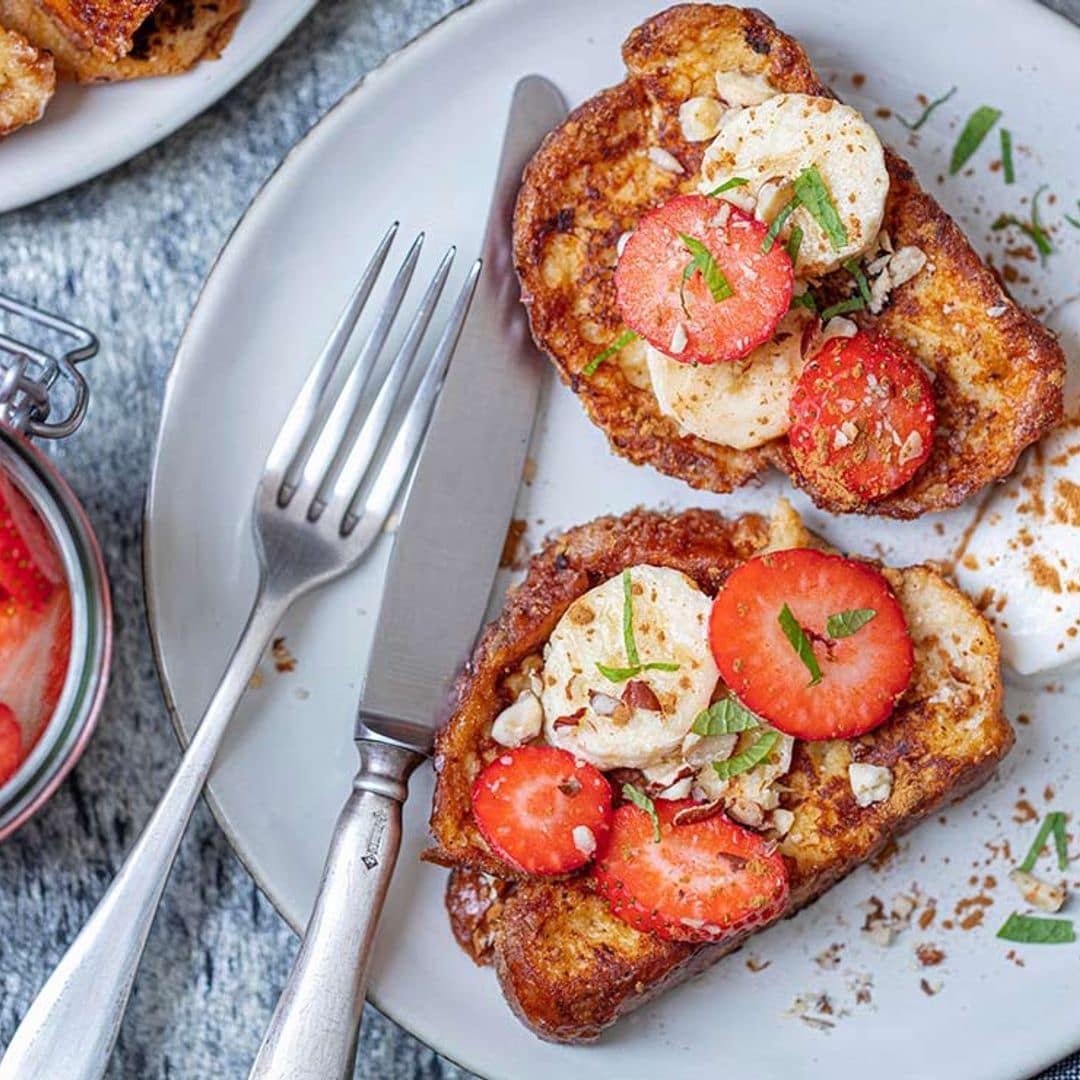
(306, 417)
(399, 457)
(351, 464)
(341, 423)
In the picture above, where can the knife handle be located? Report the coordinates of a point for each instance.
(313, 1032)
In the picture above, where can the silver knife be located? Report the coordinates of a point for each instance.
(442, 567)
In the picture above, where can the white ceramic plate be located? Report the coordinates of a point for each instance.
(88, 130)
(419, 141)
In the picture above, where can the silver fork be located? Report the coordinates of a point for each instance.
(321, 503)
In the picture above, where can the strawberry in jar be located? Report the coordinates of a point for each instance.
(35, 628)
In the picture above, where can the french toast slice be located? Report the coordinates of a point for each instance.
(169, 37)
(567, 965)
(27, 81)
(998, 377)
(103, 28)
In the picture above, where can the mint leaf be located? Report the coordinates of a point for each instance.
(728, 716)
(794, 243)
(811, 192)
(727, 185)
(628, 620)
(855, 270)
(777, 224)
(1032, 930)
(620, 342)
(635, 666)
(1006, 156)
(618, 674)
(1060, 844)
(845, 623)
(800, 643)
(643, 802)
(975, 130)
(927, 111)
(705, 264)
(853, 303)
(1053, 821)
(750, 757)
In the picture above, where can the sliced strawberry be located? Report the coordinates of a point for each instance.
(11, 749)
(864, 667)
(35, 649)
(542, 810)
(703, 881)
(862, 417)
(30, 568)
(651, 288)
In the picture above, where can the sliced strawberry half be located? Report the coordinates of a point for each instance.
(30, 568)
(862, 418)
(702, 881)
(11, 748)
(541, 809)
(865, 660)
(679, 312)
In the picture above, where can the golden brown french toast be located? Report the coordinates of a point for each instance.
(27, 81)
(168, 37)
(104, 28)
(998, 374)
(568, 966)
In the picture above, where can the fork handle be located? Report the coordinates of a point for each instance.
(72, 1024)
(313, 1032)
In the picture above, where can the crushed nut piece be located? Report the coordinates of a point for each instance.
(699, 118)
(678, 339)
(284, 660)
(1038, 893)
(519, 722)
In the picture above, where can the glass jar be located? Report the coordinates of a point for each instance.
(38, 377)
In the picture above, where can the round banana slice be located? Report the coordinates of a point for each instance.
(770, 144)
(640, 719)
(740, 404)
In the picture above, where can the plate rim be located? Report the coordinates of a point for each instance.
(95, 167)
(1039, 8)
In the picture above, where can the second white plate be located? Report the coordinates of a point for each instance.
(88, 130)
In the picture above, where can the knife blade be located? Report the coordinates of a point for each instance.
(453, 527)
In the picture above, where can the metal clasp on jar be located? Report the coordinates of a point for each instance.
(31, 374)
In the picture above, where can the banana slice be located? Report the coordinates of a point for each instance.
(772, 143)
(640, 721)
(741, 404)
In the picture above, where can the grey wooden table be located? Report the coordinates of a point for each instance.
(126, 254)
